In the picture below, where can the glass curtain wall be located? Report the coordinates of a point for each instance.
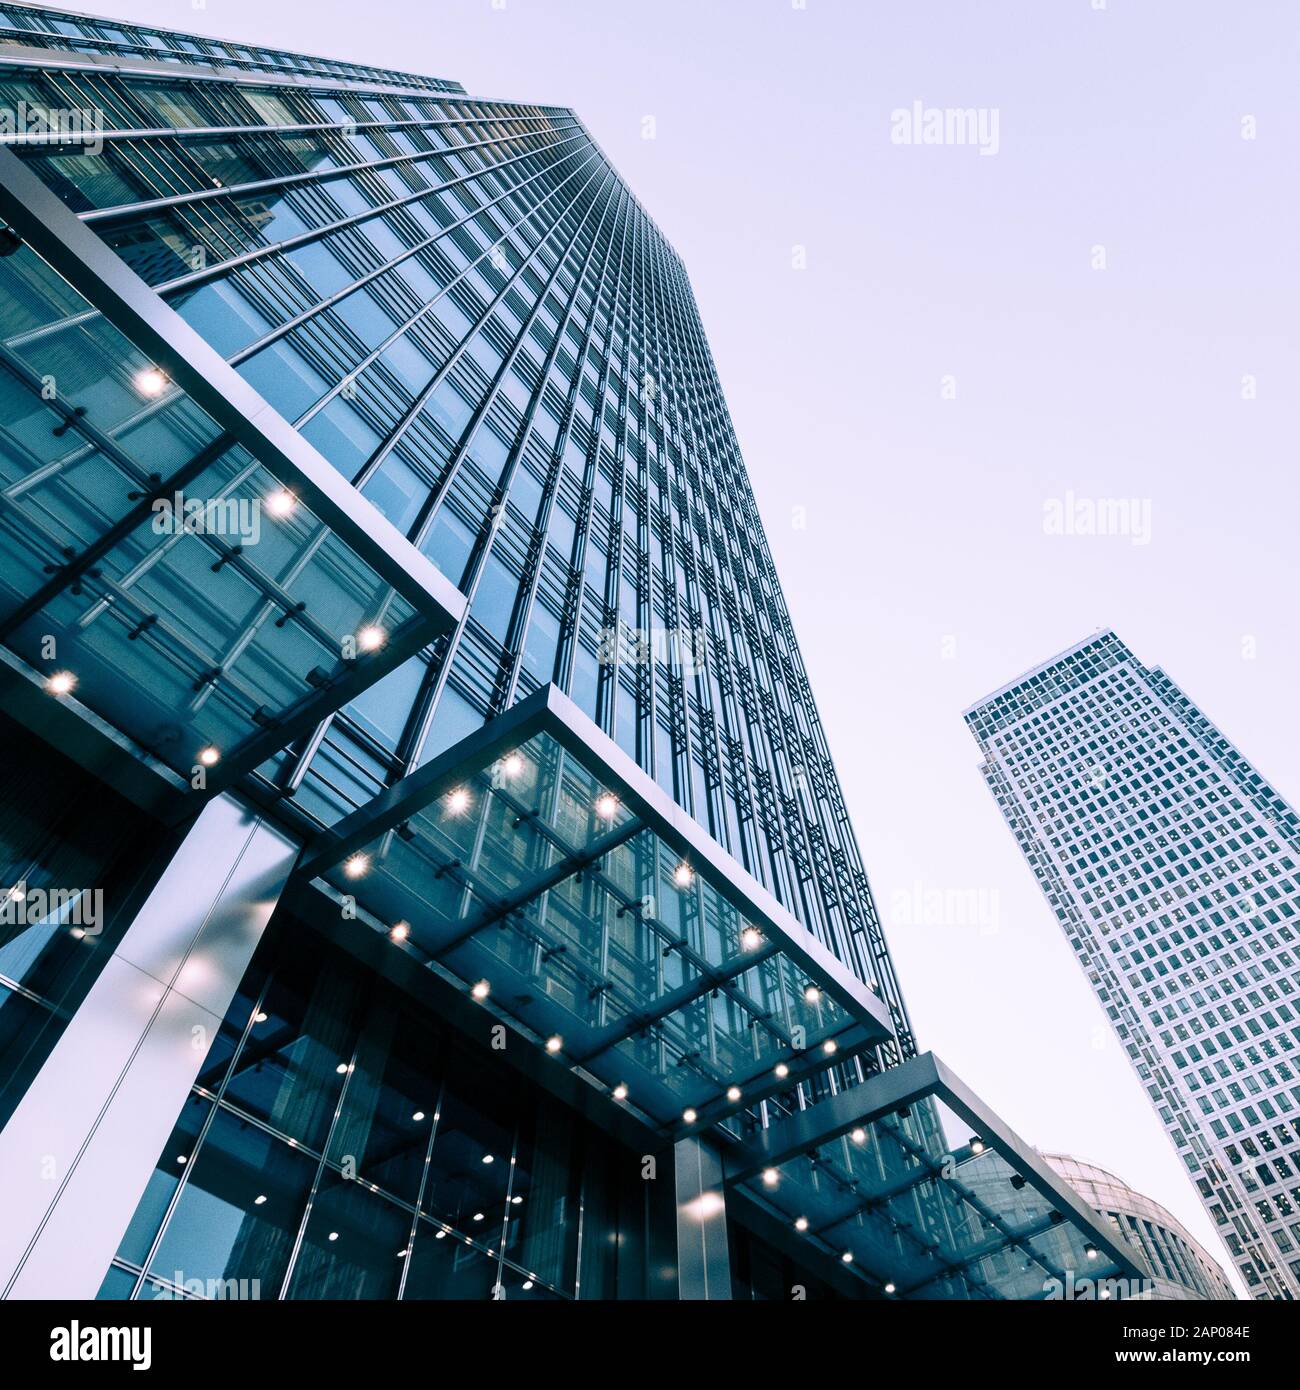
(463, 307)
(340, 1143)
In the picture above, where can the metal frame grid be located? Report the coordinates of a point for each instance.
(782, 1166)
(763, 940)
(235, 437)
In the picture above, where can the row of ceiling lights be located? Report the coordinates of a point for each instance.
(369, 639)
(772, 1177)
(62, 683)
(555, 1044)
(357, 865)
(458, 801)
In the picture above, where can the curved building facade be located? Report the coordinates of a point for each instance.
(1180, 1265)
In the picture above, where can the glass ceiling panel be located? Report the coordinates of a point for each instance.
(535, 870)
(918, 1217)
(156, 572)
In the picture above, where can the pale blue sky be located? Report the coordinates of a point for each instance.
(923, 578)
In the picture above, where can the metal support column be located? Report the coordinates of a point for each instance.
(77, 1153)
(703, 1261)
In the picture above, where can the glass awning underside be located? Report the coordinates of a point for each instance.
(869, 1175)
(536, 861)
(205, 597)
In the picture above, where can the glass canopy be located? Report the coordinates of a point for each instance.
(539, 866)
(207, 598)
(869, 1177)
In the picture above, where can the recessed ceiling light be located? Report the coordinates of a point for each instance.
(280, 504)
(260, 1199)
(770, 1177)
(478, 1216)
(516, 1201)
(150, 381)
(847, 1257)
(440, 1235)
(61, 683)
(488, 1158)
(182, 1158)
(891, 1288)
(830, 1046)
(689, 1116)
(526, 1285)
(782, 1070)
(356, 865)
(418, 1116)
(259, 1016)
(801, 1223)
(733, 1093)
(334, 1235)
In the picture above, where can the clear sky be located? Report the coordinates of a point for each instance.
(1104, 308)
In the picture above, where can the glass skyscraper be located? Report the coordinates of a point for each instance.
(1171, 865)
(426, 873)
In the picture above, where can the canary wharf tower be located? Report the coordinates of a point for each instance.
(424, 872)
(1171, 864)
